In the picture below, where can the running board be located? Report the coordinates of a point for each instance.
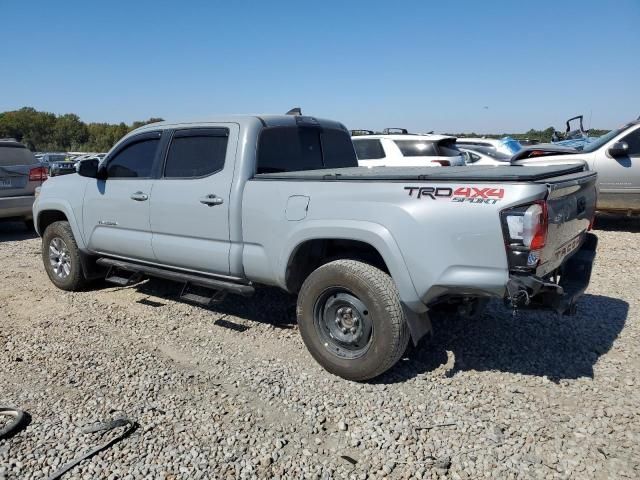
(124, 278)
(201, 295)
(245, 290)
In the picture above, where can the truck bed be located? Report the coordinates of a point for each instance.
(479, 173)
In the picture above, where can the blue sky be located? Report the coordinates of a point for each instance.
(422, 65)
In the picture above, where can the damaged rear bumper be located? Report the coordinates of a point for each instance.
(531, 292)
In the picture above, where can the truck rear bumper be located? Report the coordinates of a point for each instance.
(16, 206)
(531, 292)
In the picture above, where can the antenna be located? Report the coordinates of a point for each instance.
(295, 111)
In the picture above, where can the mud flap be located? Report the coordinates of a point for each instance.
(419, 324)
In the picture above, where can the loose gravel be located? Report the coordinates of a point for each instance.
(230, 391)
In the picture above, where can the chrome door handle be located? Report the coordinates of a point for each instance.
(212, 200)
(139, 196)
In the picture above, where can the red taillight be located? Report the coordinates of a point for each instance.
(38, 174)
(444, 163)
(540, 226)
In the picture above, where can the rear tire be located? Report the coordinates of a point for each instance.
(61, 257)
(351, 319)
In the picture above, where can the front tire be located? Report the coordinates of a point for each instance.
(61, 257)
(351, 319)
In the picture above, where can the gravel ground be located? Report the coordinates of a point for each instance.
(230, 391)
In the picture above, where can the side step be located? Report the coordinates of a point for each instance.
(122, 277)
(201, 295)
(243, 289)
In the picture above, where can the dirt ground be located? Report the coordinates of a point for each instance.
(230, 391)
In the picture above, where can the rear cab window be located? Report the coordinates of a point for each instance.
(297, 148)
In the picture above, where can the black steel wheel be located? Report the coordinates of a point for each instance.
(351, 319)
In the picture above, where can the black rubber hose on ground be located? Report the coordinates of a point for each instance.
(20, 420)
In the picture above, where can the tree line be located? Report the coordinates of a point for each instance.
(47, 132)
(44, 131)
(542, 136)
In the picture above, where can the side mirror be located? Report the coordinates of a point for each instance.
(88, 168)
(618, 149)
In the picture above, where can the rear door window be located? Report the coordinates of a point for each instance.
(196, 153)
(370, 149)
(417, 148)
(12, 154)
(290, 149)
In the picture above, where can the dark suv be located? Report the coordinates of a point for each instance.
(20, 174)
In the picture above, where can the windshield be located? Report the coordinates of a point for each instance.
(596, 144)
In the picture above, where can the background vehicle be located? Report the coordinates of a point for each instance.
(474, 155)
(406, 150)
(576, 137)
(616, 158)
(64, 167)
(20, 174)
(506, 145)
(279, 200)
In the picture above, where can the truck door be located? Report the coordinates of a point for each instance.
(190, 204)
(116, 210)
(619, 178)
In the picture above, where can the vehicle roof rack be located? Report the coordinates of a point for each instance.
(395, 131)
(295, 111)
(355, 133)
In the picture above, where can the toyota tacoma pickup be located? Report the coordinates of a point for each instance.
(227, 205)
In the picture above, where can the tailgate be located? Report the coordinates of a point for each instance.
(13, 180)
(571, 203)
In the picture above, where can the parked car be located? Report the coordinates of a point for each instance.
(616, 158)
(20, 174)
(506, 145)
(484, 156)
(50, 157)
(406, 150)
(279, 200)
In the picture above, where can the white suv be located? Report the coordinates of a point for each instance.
(407, 150)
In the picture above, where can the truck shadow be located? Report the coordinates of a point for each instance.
(616, 223)
(530, 343)
(15, 231)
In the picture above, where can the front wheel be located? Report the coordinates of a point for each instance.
(351, 319)
(61, 257)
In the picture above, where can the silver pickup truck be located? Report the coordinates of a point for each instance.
(226, 205)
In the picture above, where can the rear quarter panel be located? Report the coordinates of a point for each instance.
(430, 245)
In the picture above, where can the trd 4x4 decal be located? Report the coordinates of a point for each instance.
(460, 194)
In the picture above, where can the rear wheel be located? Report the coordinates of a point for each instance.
(61, 257)
(351, 319)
